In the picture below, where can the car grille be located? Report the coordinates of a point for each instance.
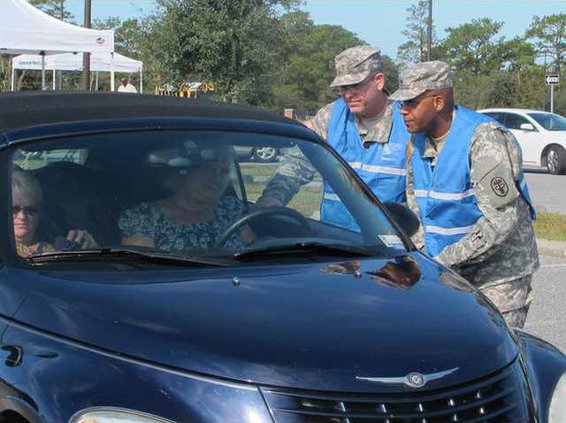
(498, 398)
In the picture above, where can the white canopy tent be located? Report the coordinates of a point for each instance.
(25, 29)
(99, 62)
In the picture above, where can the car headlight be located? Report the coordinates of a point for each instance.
(557, 409)
(114, 415)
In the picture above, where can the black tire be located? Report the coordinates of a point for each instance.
(265, 154)
(556, 160)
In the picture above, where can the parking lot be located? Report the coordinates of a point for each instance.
(547, 191)
(547, 315)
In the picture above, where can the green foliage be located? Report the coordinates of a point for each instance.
(502, 90)
(306, 63)
(472, 47)
(416, 31)
(265, 52)
(493, 72)
(234, 43)
(5, 66)
(55, 8)
(129, 35)
(549, 36)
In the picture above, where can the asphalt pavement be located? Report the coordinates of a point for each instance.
(548, 192)
(547, 315)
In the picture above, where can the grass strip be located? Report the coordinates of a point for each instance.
(550, 226)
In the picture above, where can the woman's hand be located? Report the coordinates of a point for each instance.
(82, 239)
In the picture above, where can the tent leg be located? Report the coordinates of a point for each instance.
(54, 82)
(96, 81)
(141, 82)
(43, 86)
(13, 83)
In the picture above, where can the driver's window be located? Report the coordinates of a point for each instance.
(515, 121)
(256, 176)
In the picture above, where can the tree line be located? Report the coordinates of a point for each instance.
(271, 54)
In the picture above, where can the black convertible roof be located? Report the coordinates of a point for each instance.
(31, 108)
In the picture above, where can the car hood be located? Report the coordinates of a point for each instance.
(313, 326)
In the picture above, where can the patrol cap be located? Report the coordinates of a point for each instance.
(355, 64)
(422, 77)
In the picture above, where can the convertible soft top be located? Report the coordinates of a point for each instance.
(26, 109)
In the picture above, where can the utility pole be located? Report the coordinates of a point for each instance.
(429, 31)
(86, 56)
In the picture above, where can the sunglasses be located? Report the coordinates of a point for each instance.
(414, 102)
(356, 88)
(27, 210)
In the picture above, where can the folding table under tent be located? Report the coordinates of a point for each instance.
(27, 30)
(99, 62)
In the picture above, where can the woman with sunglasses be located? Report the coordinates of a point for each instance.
(27, 198)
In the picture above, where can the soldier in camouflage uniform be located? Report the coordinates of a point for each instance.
(465, 181)
(363, 125)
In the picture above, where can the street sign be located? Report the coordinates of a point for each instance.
(552, 79)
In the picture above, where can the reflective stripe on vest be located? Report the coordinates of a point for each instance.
(423, 193)
(378, 169)
(381, 166)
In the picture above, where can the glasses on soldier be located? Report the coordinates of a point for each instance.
(414, 102)
(356, 88)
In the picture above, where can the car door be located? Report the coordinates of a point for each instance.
(529, 139)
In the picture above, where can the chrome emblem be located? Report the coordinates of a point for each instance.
(412, 380)
(415, 380)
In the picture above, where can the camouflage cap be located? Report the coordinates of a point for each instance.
(355, 64)
(422, 77)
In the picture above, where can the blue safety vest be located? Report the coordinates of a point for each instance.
(382, 166)
(446, 198)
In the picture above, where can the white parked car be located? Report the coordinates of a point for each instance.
(542, 136)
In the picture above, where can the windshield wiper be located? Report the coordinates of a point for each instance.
(122, 254)
(302, 249)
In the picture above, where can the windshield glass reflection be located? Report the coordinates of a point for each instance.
(185, 193)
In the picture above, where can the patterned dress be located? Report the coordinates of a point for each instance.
(146, 221)
(33, 250)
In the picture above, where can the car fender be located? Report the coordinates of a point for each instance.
(544, 365)
(16, 404)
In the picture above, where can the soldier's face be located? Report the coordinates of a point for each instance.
(420, 113)
(361, 98)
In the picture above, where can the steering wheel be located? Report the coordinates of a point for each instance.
(266, 212)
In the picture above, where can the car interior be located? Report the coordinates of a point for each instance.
(88, 183)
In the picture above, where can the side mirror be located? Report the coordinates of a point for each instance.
(404, 216)
(526, 127)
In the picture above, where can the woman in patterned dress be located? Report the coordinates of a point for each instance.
(195, 215)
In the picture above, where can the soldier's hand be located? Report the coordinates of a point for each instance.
(267, 201)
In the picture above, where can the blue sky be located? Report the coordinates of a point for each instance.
(379, 22)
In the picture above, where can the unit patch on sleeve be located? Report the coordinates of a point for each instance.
(499, 186)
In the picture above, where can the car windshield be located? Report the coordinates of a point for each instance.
(550, 121)
(188, 195)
